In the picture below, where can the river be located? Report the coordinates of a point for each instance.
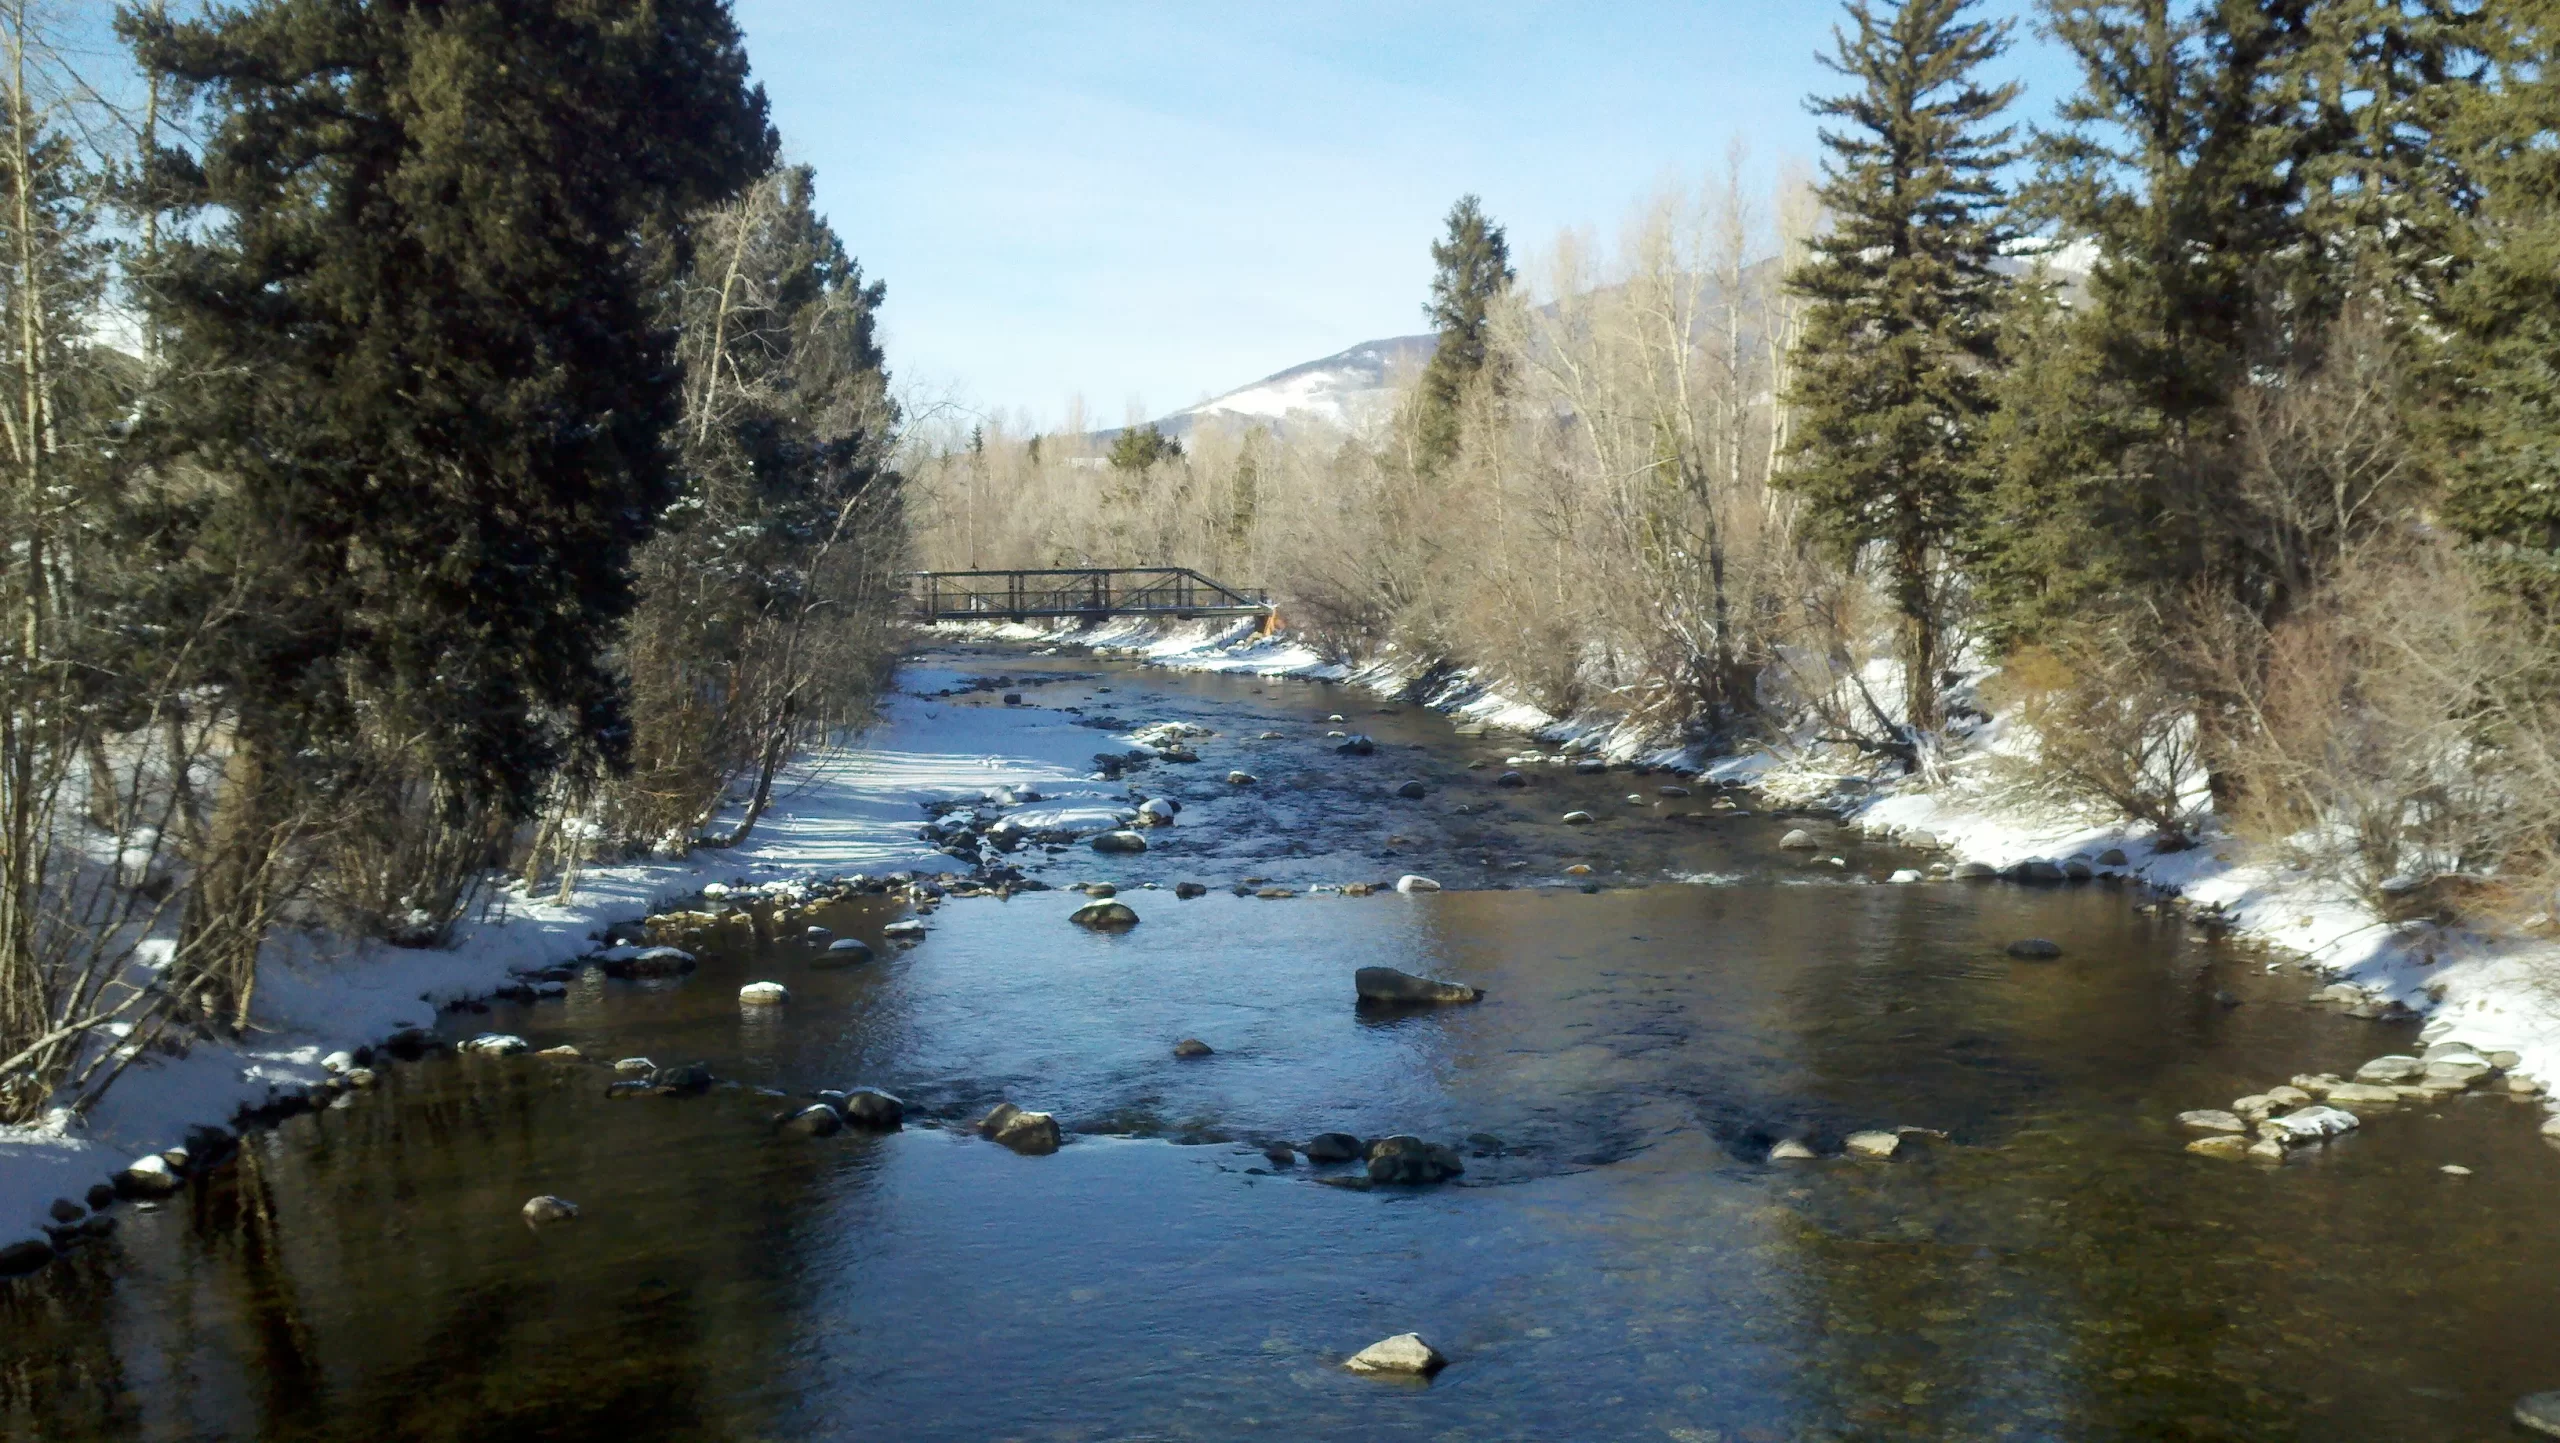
(1620, 1260)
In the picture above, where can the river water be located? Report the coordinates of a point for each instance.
(1619, 1261)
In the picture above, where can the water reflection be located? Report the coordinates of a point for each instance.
(1624, 1266)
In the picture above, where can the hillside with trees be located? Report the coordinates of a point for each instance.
(2195, 418)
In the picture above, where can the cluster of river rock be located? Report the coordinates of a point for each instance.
(2312, 1108)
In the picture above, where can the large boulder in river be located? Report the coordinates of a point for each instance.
(1406, 1353)
(1872, 1144)
(1386, 984)
(2392, 1068)
(1409, 1161)
(868, 1107)
(1333, 1147)
(1105, 916)
(1033, 1134)
(1799, 840)
(846, 951)
(1122, 841)
(816, 1120)
(149, 1177)
(549, 1209)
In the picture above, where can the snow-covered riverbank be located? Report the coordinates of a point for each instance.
(842, 811)
(2496, 992)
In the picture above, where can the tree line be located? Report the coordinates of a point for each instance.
(2204, 424)
(439, 438)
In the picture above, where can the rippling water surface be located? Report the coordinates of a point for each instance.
(1618, 1262)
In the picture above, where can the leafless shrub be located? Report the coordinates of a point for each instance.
(2395, 725)
(2110, 727)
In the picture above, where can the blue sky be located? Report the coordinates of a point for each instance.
(1153, 203)
(1149, 203)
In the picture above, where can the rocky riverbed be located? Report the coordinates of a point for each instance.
(1731, 1140)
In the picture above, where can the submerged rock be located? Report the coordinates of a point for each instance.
(906, 929)
(2225, 1146)
(1412, 791)
(652, 962)
(1122, 841)
(1188, 890)
(1973, 871)
(1033, 1134)
(549, 1209)
(1404, 1353)
(871, 1108)
(24, 1257)
(1410, 1161)
(1577, 819)
(1356, 745)
(2035, 949)
(848, 949)
(2210, 1119)
(1192, 1047)
(1386, 984)
(691, 1080)
(2361, 1094)
(1280, 1154)
(1872, 1144)
(1104, 916)
(1511, 779)
(1240, 779)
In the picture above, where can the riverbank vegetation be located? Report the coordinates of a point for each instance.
(2201, 422)
(437, 440)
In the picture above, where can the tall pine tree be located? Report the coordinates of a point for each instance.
(1891, 388)
(1471, 270)
(429, 384)
(2504, 429)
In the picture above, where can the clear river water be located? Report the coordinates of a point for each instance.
(1619, 1261)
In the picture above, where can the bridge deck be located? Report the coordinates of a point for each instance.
(1089, 592)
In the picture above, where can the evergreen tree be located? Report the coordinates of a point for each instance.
(2504, 491)
(2243, 171)
(427, 371)
(1891, 390)
(1471, 270)
(1139, 447)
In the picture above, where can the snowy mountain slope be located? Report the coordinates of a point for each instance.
(1343, 389)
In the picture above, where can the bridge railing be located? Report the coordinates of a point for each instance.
(1089, 591)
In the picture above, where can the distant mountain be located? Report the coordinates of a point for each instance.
(1359, 385)
(1343, 389)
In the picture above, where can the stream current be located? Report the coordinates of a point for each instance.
(1619, 1261)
